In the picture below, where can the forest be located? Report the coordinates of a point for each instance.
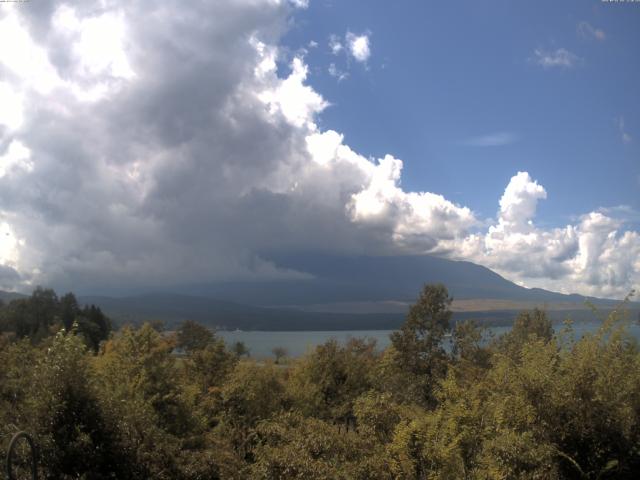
(139, 402)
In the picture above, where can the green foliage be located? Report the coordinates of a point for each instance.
(378, 415)
(418, 344)
(209, 367)
(280, 353)
(43, 314)
(64, 413)
(291, 446)
(528, 405)
(326, 382)
(528, 325)
(192, 336)
(251, 393)
(240, 349)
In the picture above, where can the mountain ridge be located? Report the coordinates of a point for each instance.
(342, 293)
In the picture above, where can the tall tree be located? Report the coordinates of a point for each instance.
(192, 336)
(69, 310)
(418, 343)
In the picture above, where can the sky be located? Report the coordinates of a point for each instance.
(156, 144)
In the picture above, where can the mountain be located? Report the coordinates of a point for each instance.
(8, 296)
(346, 293)
(337, 279)
(174, 308)
(343, 293)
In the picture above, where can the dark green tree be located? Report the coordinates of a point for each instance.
(279, 353)
(527, 325)
(192, 336)
(94, 326)
(69, 310)
(240, 349)
(418, 343)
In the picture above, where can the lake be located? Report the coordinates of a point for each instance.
(260, 344)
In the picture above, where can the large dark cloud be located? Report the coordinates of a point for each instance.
(171, 152)
(178, 174)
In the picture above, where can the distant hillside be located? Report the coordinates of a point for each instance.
(173, 309)
(344, 293)
(375, 279)
(8, 296)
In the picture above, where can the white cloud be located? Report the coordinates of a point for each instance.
(561, 58)
(359, 46)
(17, 156)
(12, 111)
(354, 46)
(8, 246)
(585, 29)
(172, 175)
(23, 58)
(336, 72)
(296, 101)
(417, 220)
(335, 45)
(593, 257)
(97, 42)
(497, 139)
(300, 3)
(519, 202)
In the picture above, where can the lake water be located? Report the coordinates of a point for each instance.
(260, 344)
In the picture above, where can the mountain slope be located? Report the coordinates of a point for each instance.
(8, 296)
(375, 279)
(173, 309)
(342, 293)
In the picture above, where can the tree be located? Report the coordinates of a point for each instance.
(209, 367)
(69, 310)
(419, 342)
(468, 350)
(143, 392)
(527, 325)
(43, 314)
(291, 446)
(279, 353)
(64, 412)
(192, 336)
(33, 317)
(94, 326)
(326, 382)
(240, 349)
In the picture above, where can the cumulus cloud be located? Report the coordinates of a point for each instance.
(594, 257)
(156, 160)
(519, 201)
(358, 46)
(16, 156)
(560, 58)
(417, 221)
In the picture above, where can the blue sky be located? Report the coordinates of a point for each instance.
(149, 145)
(441, 74)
